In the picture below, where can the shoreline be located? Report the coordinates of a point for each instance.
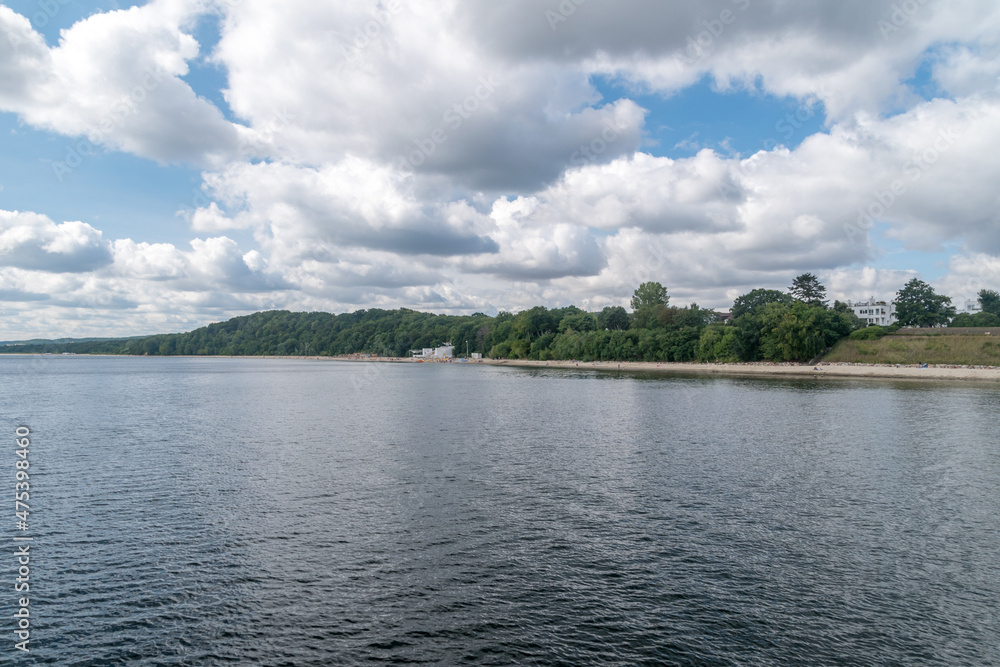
(822, 369)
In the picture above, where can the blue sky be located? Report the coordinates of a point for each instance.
(240, 156)
(736, 121)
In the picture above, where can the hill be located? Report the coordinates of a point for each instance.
(915, 348)
(770, 326)
(284, 333)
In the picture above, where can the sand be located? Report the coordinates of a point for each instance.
(989, 374)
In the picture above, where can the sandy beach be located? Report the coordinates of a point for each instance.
(990, 374)
(932, 372)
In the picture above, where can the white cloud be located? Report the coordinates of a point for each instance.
(303, 213)
(480, 121)
(114, 78)
(842, 52)
(458, 155)
(846, 285)
(32, 241)
(969, 273)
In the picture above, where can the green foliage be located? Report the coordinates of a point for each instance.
(771, 326)
(918, 305)
(783, 330)
(649, 295)
(972, 350)
(534, 322)
(500, 350)
(648, 305)
(649, 317)
(692, 316)
(756, 299)
(807, 288)
(844, 309)
(613, 318)
(578, 322)
(716, 343)
(873, 332)
(799, 331)
(983, 319)
(989, 300)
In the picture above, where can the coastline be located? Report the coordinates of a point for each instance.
(838, 370)
(822, 369)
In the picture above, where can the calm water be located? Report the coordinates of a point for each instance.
(213, 511)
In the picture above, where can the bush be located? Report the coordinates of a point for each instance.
(966, 320)
(873, 332)
(716, 343)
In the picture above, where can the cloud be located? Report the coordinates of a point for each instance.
(459, 155)
(212, 264)
(481, 122)
(656, 194)
(115, 78)
(841, 52)
(968, 273)
(536, 253)
(846, 285)
(304, 213)
(32, 241)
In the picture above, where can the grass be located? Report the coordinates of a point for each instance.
(954, 350)
(949, 331)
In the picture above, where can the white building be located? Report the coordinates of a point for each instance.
(882, 313)
(967, 306)
(447, 351)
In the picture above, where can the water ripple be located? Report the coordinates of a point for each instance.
(221, 512)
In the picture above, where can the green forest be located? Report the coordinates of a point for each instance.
(765, 325)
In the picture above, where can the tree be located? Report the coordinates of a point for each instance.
(799, 331)
(807, 288)
(790, 332)
(614, 318)
(649, 295)
(715, 343)
(918, 305)
(534, 322)
(976, 320)
(989, 301)
(756, 299)
(847, 311)
(745, 342)
(649, 301)
(651, 317)
(579, 322)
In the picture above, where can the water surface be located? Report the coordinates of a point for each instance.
(227, 511)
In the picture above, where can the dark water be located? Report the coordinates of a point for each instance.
(211, 511)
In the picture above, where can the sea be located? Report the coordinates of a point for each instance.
(204, 511)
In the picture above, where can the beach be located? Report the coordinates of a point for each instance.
(990, 374)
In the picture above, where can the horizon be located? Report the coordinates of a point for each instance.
(175, 163)
(720, 311)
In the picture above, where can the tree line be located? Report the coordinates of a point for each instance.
(765, 325)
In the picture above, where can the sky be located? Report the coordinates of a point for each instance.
(172, 163)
